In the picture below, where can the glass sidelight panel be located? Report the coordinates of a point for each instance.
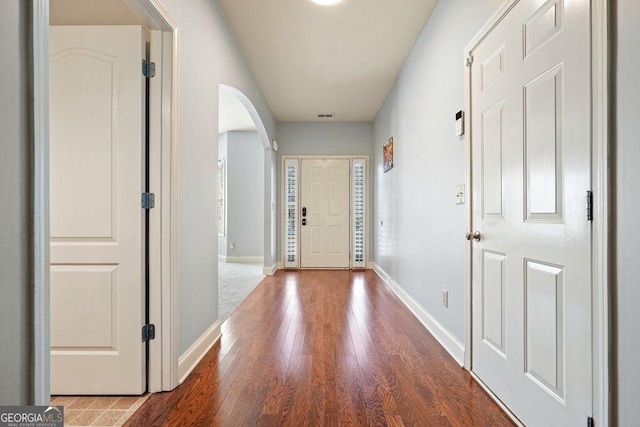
(358, 219)
(291, 213)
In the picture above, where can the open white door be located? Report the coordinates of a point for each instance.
(531, 122)
(97, 233)
(324, 203)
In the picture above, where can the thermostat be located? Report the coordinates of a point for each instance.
(460, 123)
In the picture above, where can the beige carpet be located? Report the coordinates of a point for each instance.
(235, 282)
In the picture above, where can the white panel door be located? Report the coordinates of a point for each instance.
(97, 140)
(531, 172)
(324, 202)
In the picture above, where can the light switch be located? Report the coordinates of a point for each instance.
(460, 194)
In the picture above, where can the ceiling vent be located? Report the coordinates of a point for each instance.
(325, 116)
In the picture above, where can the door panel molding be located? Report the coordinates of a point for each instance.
(325, 199)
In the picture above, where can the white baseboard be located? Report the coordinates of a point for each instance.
(280, 265)
(270, 271)
(244, 259)
(188, 361)
(444, 337)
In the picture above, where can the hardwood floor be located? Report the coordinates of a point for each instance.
(324, 348)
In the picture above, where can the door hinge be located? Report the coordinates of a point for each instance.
(148, 332)
(590, 422)
(148, 68)
(148, 200)
(469, 61)
(589, 205)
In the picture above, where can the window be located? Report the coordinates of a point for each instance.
(291, 213)
(358, 192)
(221, 198)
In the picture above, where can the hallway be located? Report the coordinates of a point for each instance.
(324, 348)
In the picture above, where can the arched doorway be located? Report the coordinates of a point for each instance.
(243, 199)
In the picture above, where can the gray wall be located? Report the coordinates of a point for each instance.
(316, 138)
(245, 189)
(15, 211)
(205, 40)
(423, 227)
(627, 218)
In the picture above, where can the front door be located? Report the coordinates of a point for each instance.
(324, 205)
(531, 140)
(96, 162)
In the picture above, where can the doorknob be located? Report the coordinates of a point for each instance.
(475, 236)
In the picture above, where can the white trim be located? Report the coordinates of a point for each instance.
(194, 354)
(279, 265)
(601, 341)
(468, 182)
(450, 343)
(495, 19)
(601, 321)
(40, 111)
(170, 172)
(498, 401)
(154, 379)
(270, 271)
(153, 14)
(242, 259)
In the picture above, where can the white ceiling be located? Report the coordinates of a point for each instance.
(232, 115)
(310, 59)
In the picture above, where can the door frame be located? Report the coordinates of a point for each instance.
(600, 165)
(163, 236)
(283, 208)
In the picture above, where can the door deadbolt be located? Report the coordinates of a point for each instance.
(475, 236)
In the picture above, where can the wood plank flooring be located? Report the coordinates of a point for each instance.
(324, 348)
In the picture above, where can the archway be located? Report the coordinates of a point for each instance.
(244, 197)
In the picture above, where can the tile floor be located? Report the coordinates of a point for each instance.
(98, 410)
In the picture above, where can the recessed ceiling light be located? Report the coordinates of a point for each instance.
(326, 2)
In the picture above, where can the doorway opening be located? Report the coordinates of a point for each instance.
(325, 214)
(241, 215)
(81, 313)
(536, 308)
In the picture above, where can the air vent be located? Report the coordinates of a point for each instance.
(325, 116)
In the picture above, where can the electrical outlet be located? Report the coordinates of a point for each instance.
(445, 298)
